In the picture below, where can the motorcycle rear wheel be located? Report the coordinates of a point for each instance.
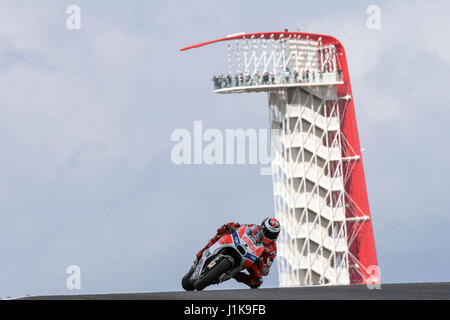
(213, 275)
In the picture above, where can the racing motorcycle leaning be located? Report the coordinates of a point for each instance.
(224, 259)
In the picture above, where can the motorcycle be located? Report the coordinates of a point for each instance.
(231, 254)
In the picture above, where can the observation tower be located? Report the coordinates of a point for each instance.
(319, 187)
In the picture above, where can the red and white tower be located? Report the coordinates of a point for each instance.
(320, 194)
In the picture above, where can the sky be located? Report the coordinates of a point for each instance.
(86, 118)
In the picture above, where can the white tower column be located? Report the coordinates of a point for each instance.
(308, 186)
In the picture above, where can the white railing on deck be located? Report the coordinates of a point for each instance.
(246, 80)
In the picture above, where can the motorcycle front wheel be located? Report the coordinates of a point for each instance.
(186, 282)
(213, 275)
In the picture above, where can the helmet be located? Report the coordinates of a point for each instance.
(270, 228)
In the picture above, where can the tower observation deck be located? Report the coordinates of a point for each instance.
(319, 187)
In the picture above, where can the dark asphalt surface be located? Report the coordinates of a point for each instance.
(403, 291)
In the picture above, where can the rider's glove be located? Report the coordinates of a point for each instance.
(228, 228)
(223, 229)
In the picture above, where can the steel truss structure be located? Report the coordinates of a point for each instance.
(320, 194)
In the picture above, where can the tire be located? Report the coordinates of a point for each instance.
(213, 275)
(186, 282)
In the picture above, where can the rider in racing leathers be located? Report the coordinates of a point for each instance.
(267, 233)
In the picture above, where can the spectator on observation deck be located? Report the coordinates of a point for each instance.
(257, 76)
(265, 78)
(216, 82)
(247, 78)
(295, 75)
(287, 74)
(222, 81)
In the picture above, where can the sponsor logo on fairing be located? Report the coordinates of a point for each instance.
(236, 238)
(251, 257)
